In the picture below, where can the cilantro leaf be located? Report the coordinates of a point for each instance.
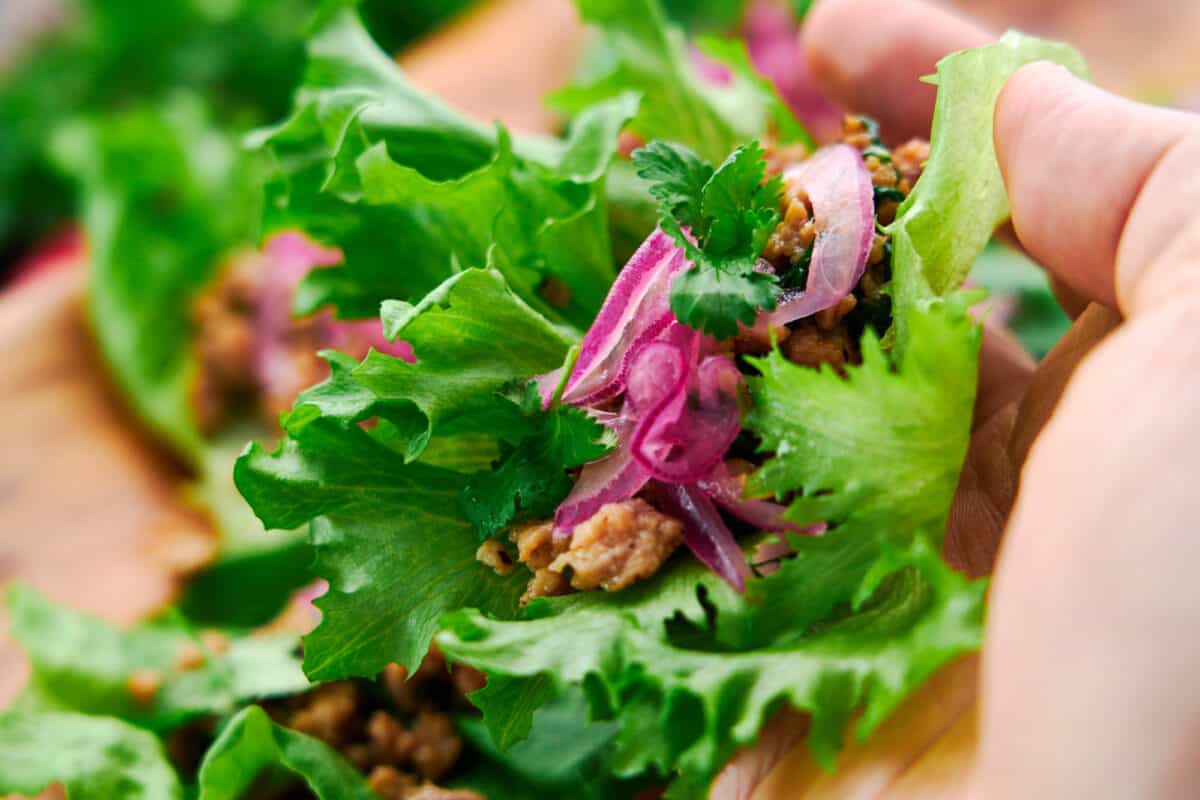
(729, 216)
(677, 178)
(252, 667)
(715, 298)
(90, 756)
(531, 480)
(250, 743)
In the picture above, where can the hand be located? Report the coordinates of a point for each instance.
(1091, 666)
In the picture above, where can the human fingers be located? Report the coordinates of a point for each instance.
(1079, 164)
(869, 55)
(1088, 678)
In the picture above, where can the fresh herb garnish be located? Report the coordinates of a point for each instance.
(530, 479)
(721, 218)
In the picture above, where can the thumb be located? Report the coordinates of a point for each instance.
(1089, 680)
(1096, 181)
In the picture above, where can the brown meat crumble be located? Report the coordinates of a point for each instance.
(224, 332)
(618, 546)
(831, 336)
(397, 732)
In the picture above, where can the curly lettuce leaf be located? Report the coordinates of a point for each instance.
(242, 58)
(960, 200)
(651, 58)
(98, 683)
(251, 744)
(734, 54)
(365, 151)
(164, 195)
(566, 754)
(886, 440)
(473, 337)
(701, 703)
(89, 756)
(389, 537)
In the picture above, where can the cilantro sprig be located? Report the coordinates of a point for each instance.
(530, 478)
(721, 218)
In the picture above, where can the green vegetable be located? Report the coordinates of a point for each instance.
(960, 200)
(389, 537)
(687, 669)
(681, 707)
(164, 195)
(530, 480)
(886, 442)
(81, 663)
(93, 757)
(650, 58)
(413, 192)
(242, 57)
(251, 744)
(734, 54)
(473, 337)
(729, 213)
(564, 755)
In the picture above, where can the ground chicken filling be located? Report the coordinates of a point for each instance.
(627, 542)
(396, 730)
(226, 343)
(618, 546)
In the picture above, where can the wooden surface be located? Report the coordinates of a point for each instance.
(88, 510)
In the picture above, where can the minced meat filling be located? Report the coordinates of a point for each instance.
(832, 336)
(226, 338)
(618, 546)
(629, 541)
(396, 731)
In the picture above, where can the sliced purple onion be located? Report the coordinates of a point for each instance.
(290, 256)
(636, 311)
(612, 479)
(658, 373)
(704, 532)
(839, 187)
(686, 434)
(776, 53)
(765, 515)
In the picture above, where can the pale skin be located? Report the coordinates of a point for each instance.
(1082, 470)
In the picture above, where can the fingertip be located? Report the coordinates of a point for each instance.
(822, 29)
(1074, 160)
(1030, 94)
(870, 54)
